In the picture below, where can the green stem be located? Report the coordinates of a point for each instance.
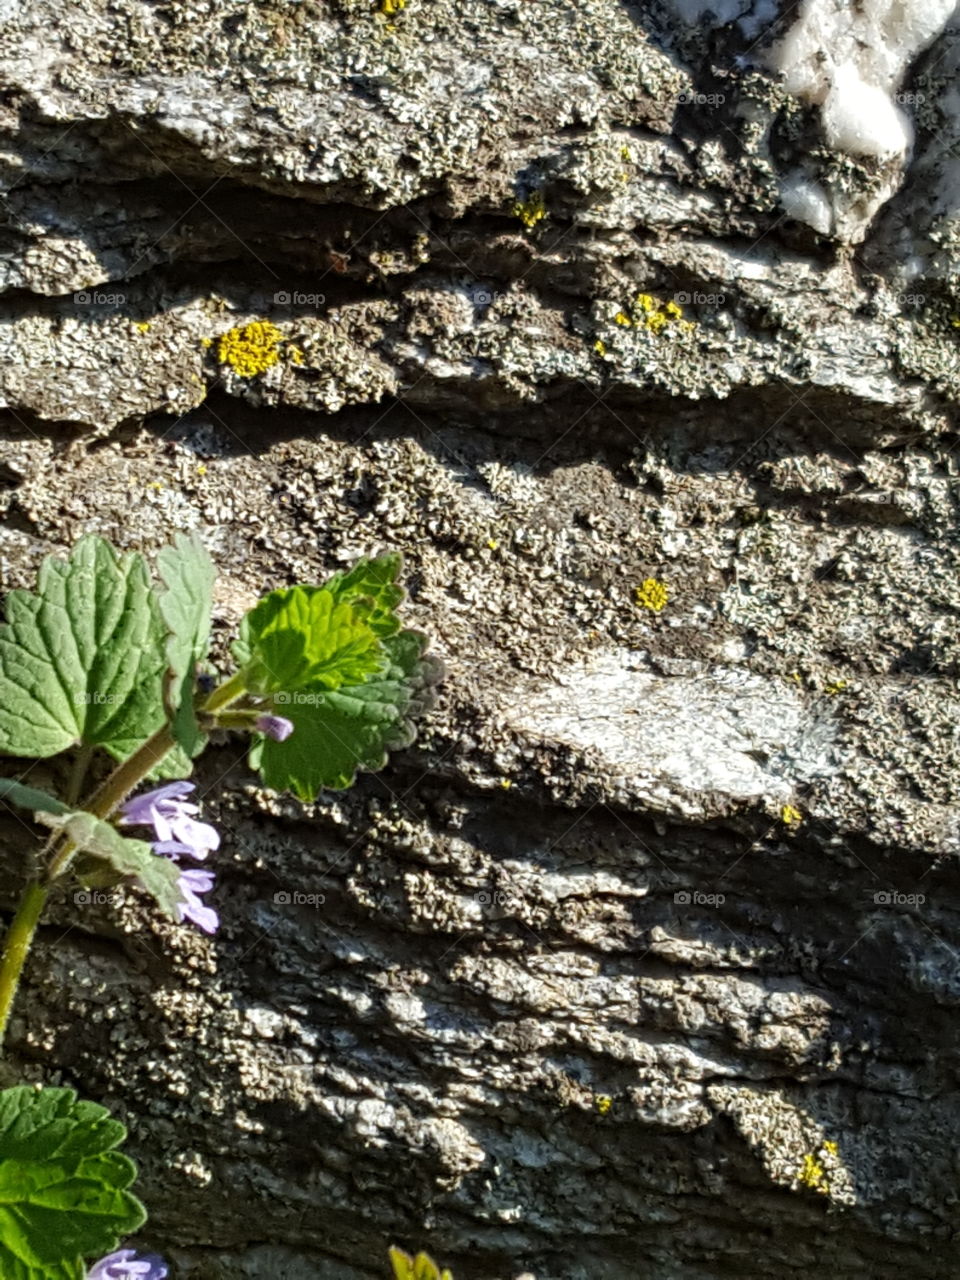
(229, 691)
(103, 802)
(114, 790)
(17, 947)
(77, 775)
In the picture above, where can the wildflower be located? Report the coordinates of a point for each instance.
(165, 810)
(192, 883)
(279, 728)
(125, 1265)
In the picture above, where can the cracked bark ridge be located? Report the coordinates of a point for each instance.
(643, 959)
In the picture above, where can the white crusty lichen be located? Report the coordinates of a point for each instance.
(850, 60)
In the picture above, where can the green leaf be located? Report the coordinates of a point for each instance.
(63, 1186)
(338, 731)
(30, 797)
(372, 585)
(112, 857)
(301, 636)
(81, 659)
(188, 575)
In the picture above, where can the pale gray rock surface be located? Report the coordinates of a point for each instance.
(660, 903)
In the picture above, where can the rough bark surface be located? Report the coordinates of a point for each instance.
(661, 902)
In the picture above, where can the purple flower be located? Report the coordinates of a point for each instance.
(165, 809)
(125, 1265)
(191, 908)
(277, 727)
(177, 830)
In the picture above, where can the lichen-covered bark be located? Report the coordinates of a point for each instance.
(643, 961)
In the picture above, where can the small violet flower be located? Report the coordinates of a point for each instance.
(277, 727)
(165, 809)
(125, 1265)
(167, 812)
(191, 908)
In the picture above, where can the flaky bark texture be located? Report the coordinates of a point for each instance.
(644, 960)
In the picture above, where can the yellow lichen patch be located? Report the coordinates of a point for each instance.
(250, 349)
(419, 1268)
(600, 347)
(836, 687)
(623, 319)
(390, 7)
(790, 816)
(493, 543)
(506, 784)
(652, 594)
(206, 342)
(532, 210)
(603, 1103)
(295, 355)
(813, 1175)
(142, 326)
(816, 1169)
(655, 315)
(201, 468)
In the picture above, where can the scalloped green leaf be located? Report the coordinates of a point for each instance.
(338, 731)
(63, 1187)
(372, 585)
(301, 636)
(82, 658)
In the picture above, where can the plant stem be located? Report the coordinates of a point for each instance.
(17, 946)
(229, 691)
(114, 790)
(77, 775)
